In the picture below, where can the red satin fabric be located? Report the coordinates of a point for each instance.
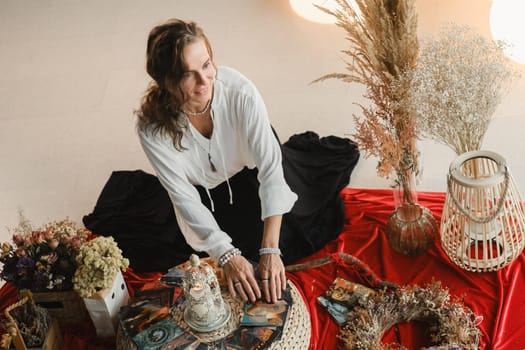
(496, 296)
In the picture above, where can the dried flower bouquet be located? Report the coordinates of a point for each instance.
(42, 259)
(99, 261)
(460, 79)
(383, 48)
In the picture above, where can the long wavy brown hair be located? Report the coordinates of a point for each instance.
(162, 101)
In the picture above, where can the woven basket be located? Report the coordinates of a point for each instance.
(66, 307)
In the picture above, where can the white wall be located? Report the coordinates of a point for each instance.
(72, 72)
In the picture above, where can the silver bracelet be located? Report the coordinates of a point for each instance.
(226, 257)
(263, 251)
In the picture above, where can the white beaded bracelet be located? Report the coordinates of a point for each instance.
(263, 251)
(226, 257)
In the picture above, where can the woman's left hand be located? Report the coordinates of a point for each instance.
(273, 277)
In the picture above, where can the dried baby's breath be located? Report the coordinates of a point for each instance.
(99, 261)
(460, 79)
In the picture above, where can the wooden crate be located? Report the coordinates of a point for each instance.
(52, 341)
(66, 307)
(53, 338)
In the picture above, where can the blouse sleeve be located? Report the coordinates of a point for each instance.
(276, 196)
(196, 222)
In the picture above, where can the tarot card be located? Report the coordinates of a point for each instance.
(139, 315)
(216, 345)
(185, 341)
(251, 338)
(286, 295)
(163, 294)
(345, 292)
(173, 277)
(339, 312)
(262, 313)
(157, 334)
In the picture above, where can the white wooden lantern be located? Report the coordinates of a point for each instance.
(482, 225)
(103, 307)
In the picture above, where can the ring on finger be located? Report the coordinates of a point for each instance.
(264, 279)
(237, 283)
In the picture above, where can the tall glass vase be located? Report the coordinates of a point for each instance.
(411, 229)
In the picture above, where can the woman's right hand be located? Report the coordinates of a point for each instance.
(240, 277)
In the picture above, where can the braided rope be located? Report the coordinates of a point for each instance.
(34, 333)
(14, 306)
(466, 213)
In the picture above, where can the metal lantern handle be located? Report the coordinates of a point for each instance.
(454, 167)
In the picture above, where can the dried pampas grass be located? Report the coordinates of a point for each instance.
(383, 47)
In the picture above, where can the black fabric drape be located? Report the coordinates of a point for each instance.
(317, 169)
(135, 209)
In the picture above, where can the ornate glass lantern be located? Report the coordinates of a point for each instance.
(204, 308)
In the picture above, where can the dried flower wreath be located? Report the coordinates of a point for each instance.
(452, 325)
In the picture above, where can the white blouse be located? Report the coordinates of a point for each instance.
(242, 136)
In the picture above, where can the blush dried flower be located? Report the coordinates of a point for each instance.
(383, 48)
(42, 259)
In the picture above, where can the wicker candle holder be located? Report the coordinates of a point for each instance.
(483, 220)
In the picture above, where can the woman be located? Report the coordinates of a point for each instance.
(200, 125)
(206, 132)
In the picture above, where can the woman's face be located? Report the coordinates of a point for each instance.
(197, 80)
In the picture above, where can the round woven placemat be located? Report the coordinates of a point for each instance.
(297, 328)
(296, 331)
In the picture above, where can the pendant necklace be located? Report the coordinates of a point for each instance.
(212, 166)
(206, 108)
